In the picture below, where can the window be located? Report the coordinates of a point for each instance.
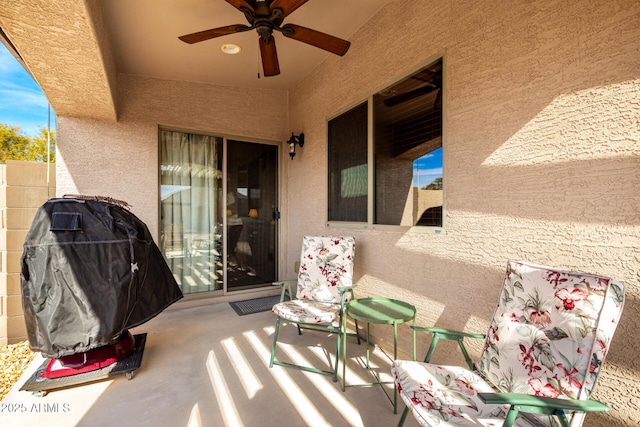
(405, 165)
(348, 183)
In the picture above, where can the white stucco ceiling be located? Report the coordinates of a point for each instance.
(144, 39)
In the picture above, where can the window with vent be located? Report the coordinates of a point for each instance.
(385, 155)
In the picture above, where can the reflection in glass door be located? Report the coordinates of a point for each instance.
(251, 214)
(190, 209)
(196, 222)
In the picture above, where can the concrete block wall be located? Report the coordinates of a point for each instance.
(23, 189)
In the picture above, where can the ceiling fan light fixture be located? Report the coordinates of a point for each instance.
(230, 48)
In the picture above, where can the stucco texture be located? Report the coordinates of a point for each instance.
(541, 152)
(542, 160)
(53, 33)
(121, 159)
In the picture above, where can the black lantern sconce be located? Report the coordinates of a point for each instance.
(292, 143)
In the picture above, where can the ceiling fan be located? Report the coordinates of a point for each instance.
(265, 16)
(432, 80)
(404, 97)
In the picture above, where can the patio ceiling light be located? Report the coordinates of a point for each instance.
(230, 48)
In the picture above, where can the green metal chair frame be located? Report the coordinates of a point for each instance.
(518, 402)
(595, 301)
(345, 294)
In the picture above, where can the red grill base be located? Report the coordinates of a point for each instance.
(91, 360)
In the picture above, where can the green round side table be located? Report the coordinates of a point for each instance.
(382, 311)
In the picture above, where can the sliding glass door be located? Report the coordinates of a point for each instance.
(251, 214)
(190, 209)
(218, 221)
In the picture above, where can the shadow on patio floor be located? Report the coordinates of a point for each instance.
(206, 366)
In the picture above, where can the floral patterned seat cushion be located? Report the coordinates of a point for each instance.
(326, 265)
(548, 337)
(551, 331)
(307, 311)
(445, 395)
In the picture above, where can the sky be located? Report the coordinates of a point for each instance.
(427, 168)
(22, 103)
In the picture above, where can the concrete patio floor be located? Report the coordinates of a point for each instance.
(204, 365)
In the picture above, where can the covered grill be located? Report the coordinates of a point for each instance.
(90, 271)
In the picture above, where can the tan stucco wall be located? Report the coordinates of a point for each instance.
(542, 155)
(121, 160)
(24, 187)
(542, 159)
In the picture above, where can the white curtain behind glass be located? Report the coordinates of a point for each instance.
(191, 196)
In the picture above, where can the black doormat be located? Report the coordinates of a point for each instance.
(255, 305)
(38, 383)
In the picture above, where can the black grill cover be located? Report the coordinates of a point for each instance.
(90, 270)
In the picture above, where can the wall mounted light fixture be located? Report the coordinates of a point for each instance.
(292, 143)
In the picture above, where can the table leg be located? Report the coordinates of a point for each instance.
(395, 356)
(367, 346)
(344, 352)
(414, 339)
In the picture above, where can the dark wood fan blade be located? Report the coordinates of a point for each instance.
(269, 56)
(404, 97)
(213, 33)
(238, 4)
(287, 6)
(316, 38)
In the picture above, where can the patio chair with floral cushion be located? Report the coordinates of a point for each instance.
(324, 287)
(542, 354)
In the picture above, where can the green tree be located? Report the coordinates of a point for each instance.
(38, 147)
(16, 146)
(435, 185)
(13, 145)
